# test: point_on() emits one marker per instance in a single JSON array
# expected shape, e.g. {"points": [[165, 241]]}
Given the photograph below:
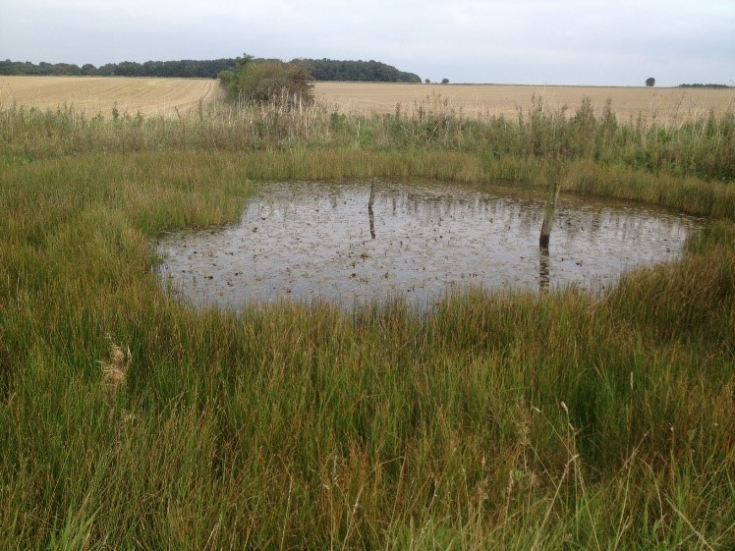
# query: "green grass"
{"points": [[495, 421]]}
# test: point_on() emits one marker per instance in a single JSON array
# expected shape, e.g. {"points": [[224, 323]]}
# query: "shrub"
{"points": [[266, 82]]}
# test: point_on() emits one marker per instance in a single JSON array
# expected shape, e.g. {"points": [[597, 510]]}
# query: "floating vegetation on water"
{"points": [[355, 242]]}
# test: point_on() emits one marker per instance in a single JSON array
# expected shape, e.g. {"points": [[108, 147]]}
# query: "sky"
{"points": [[551, 42]]}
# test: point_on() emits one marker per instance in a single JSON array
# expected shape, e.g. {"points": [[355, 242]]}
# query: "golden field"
{"points": [[157, 96], [93, 95], [666, 105]]}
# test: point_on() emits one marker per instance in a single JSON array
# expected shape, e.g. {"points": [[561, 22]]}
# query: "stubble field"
{"points": [[93, 95], [665, 105], [155, 96]]}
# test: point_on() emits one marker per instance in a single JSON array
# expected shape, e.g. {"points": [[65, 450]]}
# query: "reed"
{"points": [[493, 421], [701, 148]]}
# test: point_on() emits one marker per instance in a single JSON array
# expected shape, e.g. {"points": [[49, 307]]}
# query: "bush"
{"points": [[265, 82]]}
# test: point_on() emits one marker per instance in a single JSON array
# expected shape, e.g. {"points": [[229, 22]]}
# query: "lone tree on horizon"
{"points": [[650, 81]]}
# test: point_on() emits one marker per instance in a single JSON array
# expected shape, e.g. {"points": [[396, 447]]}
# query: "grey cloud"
{"points": [[523, 41]]}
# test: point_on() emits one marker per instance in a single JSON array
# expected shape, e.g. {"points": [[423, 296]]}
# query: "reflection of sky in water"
{"points": [[315, 240]]}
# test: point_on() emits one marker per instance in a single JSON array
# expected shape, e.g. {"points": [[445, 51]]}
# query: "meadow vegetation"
{"points": [[131, 420]]}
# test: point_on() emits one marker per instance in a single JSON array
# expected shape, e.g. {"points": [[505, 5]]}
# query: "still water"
{"points": [[356, 242]]}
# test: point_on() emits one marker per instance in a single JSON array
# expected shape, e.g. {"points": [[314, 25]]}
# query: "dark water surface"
{"points": [[308, 240]]}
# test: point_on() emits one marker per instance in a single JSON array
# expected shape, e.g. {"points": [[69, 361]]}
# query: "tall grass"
{"points": [[701, 148], [495, 421]]}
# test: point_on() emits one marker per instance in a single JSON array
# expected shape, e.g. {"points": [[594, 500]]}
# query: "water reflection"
{"points": [[309, 240], [544, 276]]}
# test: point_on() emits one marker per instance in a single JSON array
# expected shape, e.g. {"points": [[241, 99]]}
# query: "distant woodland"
{"points": [[319, 69], [704, 86]]}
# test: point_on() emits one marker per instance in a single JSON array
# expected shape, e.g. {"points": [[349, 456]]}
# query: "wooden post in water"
{"points": [[555, 175], [371, 216]]}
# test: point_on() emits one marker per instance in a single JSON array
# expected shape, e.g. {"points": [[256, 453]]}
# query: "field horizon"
{"points": [[484, 101], [100, 95], [175, 96]]}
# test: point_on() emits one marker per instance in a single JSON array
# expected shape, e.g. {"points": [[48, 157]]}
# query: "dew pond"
{"points": [[359, 242]]}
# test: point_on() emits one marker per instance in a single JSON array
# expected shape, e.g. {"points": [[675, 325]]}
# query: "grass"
{"points": [[495, 421]]}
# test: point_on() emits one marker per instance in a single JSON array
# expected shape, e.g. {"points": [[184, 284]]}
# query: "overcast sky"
{"points": [[583, 42]]}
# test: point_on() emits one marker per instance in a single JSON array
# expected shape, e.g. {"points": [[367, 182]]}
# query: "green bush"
{"points": [[268, 82]]}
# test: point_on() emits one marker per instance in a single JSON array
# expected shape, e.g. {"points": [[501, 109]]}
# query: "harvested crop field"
{"points": [[158, 96], [93, 95], [665, 105]]}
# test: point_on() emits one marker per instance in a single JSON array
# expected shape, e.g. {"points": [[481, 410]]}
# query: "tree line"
{"points": [[372, 71], [184, 68], [319, 69], [696, 85]]}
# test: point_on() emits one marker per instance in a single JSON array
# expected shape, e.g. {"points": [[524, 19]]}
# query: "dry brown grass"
{"points": [[93, 95], [665, 105], [115, 368]]}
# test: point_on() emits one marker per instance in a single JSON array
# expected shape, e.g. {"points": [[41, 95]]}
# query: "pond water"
{"points": [[357, 242]]}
